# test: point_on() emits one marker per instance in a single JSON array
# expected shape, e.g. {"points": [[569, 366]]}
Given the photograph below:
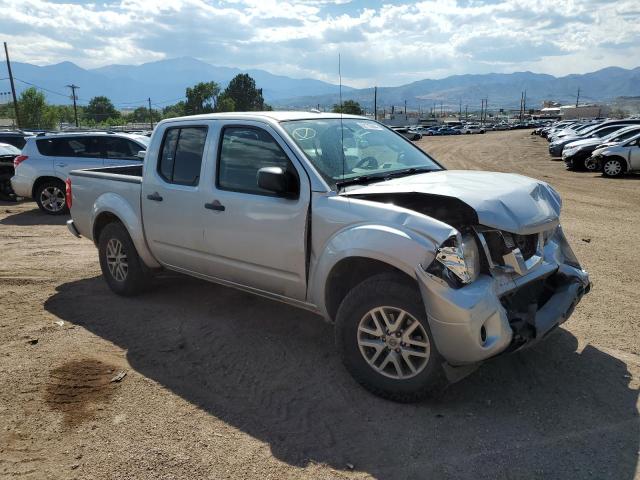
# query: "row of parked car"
{"points": [[36, 164], [416, 132], [609, 146]]}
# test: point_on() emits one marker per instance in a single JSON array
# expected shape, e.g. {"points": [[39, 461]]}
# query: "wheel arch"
{"points": [[620, 158], [110, 208], [351, 271], [41, 180]]}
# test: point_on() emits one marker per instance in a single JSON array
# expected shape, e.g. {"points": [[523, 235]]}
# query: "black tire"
{"points": [[47, 196], [395, 291], [137, 276], [613, 167]]}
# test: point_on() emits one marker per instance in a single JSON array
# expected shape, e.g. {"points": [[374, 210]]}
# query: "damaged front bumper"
{"points": [[503, 309]]}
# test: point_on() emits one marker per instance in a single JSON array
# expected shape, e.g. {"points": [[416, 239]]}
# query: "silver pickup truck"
{"points": [[424, 272]]}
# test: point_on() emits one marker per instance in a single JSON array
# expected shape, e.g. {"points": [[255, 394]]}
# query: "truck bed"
{"points": [[95, 188]]}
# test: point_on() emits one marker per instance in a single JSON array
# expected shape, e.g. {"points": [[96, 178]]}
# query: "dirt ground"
{"points": [[223, 385]]}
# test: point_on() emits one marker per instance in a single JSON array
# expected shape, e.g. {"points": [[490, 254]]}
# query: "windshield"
{"points": [[368, 149], [620, 135]]}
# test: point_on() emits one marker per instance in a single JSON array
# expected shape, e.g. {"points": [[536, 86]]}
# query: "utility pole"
{"points": [[13, 88], [577, 97], [466, 112], [406, 117], [73, 95], [375, 103], [150, 113], [521, 104], [460, 111], [524, 104]]}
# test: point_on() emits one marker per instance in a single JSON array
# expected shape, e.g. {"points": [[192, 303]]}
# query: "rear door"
{"points": [[254, 237], [72, 153], [172, 198]]}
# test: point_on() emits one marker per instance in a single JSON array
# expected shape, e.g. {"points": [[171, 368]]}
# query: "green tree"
{"points": [[100, 109], [225, 103], [176, 110], [246, 97], [201, 98], [34, 111], [350, 107]]}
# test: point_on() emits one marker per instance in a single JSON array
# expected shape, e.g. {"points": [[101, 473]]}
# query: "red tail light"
{"points": [[68, 193], [18, 160]]}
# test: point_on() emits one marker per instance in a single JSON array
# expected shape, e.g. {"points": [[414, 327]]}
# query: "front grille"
{"points": [[501, 243], [528, 244]]}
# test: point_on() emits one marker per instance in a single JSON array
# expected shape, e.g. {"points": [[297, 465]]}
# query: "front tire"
{"points": [[50, 197], [613, 167], [122, 267], [383, 336]]}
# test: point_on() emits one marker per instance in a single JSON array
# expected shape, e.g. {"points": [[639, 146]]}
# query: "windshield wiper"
{"points": [[382, 176]]}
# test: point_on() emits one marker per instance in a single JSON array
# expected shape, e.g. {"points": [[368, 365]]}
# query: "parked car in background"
{"points": [[598, 132], [424, 272], [7, 154], [407, 133], [473, 128], [576, 154], [15, 138], [616, 160], [448, 131], [45, 162]]}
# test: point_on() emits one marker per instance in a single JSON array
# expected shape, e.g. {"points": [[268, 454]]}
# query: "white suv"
{"points": [[45, 163]]}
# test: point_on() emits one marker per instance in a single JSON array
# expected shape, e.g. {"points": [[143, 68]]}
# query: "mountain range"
{"points": [[165, 81]]}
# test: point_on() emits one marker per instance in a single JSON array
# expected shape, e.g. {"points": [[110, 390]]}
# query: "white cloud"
{"points": [[385, 44]]}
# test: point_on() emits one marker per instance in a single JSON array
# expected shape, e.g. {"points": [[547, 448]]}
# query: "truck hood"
{"points": [[505, 201]]}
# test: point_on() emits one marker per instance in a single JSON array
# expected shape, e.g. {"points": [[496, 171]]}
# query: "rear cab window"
{"points": [[181, 154]]}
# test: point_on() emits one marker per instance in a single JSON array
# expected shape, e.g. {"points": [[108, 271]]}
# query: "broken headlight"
{"points": [[457, 260]]}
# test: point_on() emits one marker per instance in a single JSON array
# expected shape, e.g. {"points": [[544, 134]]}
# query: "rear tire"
{"points": [[122, 267], [395, 358], [613, 167], [50, 197]]}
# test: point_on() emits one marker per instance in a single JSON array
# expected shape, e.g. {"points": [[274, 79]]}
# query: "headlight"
{"points": [[460, 256]]}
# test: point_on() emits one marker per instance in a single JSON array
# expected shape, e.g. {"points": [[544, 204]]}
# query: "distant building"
{"points": [[550, 104], [569, 112]]}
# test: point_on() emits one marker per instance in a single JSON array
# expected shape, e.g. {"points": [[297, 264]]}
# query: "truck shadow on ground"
{"points": [[271, 371], [29, 217]]}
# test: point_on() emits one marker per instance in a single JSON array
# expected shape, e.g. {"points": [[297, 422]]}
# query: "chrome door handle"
{"points": [[155, 196], [215, 205], [62, 164]]}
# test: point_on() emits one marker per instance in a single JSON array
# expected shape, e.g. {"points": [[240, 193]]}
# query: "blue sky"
{"points": [[381, 42]]}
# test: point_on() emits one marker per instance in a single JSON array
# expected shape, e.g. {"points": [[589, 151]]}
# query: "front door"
{"points": [[253, 237]]}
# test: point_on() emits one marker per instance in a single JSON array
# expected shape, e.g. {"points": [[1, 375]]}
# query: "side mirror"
{"points": [[276, 180], [141, 154]]}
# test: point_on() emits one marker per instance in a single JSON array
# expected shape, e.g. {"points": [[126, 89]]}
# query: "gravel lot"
{"points": [[221, 384]]}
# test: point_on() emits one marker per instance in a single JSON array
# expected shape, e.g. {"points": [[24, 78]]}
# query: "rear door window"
{"points": [[86, 147], [181, 155]]}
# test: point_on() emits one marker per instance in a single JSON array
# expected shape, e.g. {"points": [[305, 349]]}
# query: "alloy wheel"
{"points": [[393, 342], [52, 199], [117, 260]]}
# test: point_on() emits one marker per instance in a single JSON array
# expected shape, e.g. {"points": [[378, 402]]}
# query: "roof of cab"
{"points": [[278, 116]]}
